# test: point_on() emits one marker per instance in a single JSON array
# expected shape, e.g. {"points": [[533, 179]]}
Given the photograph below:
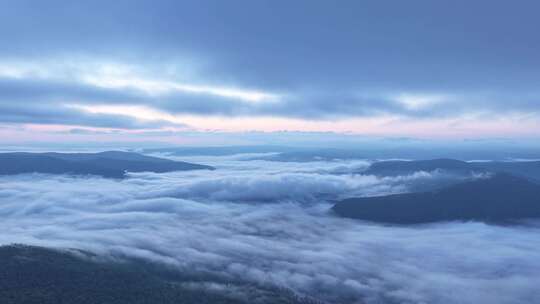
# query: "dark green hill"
{"points": [[528, 169], [399, 167], [35, 275], [112, 164], [500, 198]]}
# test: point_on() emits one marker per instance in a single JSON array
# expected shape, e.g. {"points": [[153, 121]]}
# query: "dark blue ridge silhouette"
{"points": [[37, 275], [110, 164], [528, 169], [501, 198]]}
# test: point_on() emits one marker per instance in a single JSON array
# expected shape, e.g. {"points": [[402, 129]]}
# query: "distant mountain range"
{"points": [[110, 164], [381, 152], [388, 149], [500, 198], [527, 169], [219, 150]]}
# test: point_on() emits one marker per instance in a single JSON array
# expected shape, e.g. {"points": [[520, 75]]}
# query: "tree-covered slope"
{"points": [[528, 169], [500, 198], [111, 164], [36, 275]]}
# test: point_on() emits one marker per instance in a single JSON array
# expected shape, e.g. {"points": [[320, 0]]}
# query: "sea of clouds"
{"points": [[270, 223]]}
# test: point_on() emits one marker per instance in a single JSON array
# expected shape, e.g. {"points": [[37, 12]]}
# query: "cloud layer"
{"points": [[304, 61], [269, 223]]}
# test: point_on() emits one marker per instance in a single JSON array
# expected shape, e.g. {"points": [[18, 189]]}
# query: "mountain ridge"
{"points": [[526, 169], [502, 197], [109, 164]]}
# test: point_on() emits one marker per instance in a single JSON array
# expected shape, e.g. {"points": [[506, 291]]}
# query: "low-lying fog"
{"points": [[270, 223]]}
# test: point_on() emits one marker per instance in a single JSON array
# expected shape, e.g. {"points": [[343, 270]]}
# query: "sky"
{"points": [[261, 72]]}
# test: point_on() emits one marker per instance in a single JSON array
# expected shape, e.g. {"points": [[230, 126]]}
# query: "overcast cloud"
{"points": [[305, 60]]}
